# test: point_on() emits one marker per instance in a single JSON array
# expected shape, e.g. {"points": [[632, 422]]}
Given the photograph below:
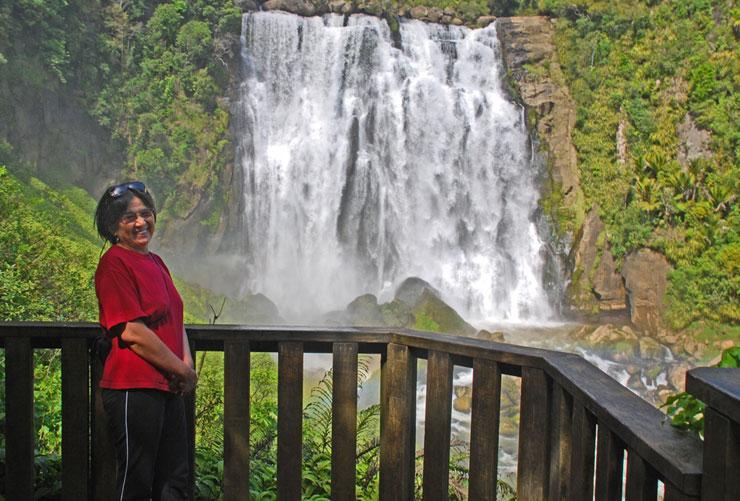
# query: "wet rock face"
{"points": [[596, 284], [528, 42], [646, 279]]}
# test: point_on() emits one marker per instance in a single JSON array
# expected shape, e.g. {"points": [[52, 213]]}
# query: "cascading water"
{"points": [[365, 163]]}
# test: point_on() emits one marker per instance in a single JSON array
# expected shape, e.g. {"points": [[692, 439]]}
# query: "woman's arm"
{"points": [[187, 357], [145, 343]]}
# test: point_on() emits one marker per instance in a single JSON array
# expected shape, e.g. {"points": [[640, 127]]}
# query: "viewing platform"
{"points": [[582, 434]]}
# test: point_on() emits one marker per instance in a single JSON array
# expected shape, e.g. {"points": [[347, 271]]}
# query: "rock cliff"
{"points": [[529, 53], [51, 131]]}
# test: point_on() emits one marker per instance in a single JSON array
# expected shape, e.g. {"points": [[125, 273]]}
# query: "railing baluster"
{"points": [[642, 482], [561, 440], [397, 433], [19, 431], [75, 419], [103, 456], [484, 430], [290, 420], [236, 420], [438, 417], [344, 421], [534, 436], [582, 462], [609, 466]]}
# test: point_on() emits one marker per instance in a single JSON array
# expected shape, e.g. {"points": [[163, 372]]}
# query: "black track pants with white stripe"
{"points": [[150, 436]]}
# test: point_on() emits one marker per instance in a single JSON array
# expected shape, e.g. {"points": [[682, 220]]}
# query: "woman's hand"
{"points": [[145, 343], [185, 383]]}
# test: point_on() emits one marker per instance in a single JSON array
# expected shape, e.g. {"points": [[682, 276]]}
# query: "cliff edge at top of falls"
{"points": [[464, 14]]}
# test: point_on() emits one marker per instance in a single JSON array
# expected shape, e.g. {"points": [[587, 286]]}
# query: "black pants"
{"points": [[150, 436]]}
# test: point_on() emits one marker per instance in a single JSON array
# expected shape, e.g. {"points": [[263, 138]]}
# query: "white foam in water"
{"points": [[364, 164]]}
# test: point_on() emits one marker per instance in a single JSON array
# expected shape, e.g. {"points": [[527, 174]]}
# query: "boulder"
{"points": [[484, 21], [337, 6], [623, 351], [497, 336], [419, 12], [677, 376], [396, 314], [365, 311], [434, 15], [412, 289], [246, 5], [650, 348], [252, 309], [301, 7], [431, 313], [645, 275], [463, 401]]}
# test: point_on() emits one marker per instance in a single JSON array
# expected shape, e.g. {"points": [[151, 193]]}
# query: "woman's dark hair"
{"points": [[111, 209]]}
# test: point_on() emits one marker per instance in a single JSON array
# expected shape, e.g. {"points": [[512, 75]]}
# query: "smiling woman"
{"points": [[149, 366]]}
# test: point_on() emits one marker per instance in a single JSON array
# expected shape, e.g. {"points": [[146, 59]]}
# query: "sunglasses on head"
{"points": [[119, 189]]}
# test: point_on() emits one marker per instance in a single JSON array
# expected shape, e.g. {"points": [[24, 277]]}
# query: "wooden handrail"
{"points": [[576, 422]]}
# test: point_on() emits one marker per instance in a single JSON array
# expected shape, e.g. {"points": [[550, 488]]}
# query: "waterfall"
{"points": [[369, 158]]}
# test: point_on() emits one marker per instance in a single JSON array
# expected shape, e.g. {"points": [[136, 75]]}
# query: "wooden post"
{"points": [[721, 462], [719, 389], [561, 440], [642, 481], [189, 401], [609, 466], [236, 420], [19, 432], [582, 463], [290, 420], [75, 419], [103, 455], [397, 427], [344, 422], [484, 430], [438, 417], [534, 436]]}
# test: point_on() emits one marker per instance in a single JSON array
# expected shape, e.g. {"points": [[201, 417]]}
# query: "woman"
{"points": [[149, 366]]}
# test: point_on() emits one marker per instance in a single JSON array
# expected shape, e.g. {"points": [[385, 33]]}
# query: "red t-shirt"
{"points": [[132, 286]]}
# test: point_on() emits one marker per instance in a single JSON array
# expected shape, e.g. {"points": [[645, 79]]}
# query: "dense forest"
{"points": [[156, 78]]}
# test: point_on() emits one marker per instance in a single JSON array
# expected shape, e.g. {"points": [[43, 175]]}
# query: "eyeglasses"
{"points": [[119, 189], [130, 217]]}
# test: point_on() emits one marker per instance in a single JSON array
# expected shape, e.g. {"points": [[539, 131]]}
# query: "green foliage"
{"points": [[47, 257], [166, 73], [645, 66], [686, 411]]}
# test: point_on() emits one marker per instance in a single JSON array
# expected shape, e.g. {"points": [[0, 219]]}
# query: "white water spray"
{"points": [[365, 164]]}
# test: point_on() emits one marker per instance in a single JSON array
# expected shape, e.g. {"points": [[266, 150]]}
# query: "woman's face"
{"points": [[136, 226]]}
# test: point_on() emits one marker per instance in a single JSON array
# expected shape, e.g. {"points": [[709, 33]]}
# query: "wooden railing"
{"points": [[577, 423]]}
